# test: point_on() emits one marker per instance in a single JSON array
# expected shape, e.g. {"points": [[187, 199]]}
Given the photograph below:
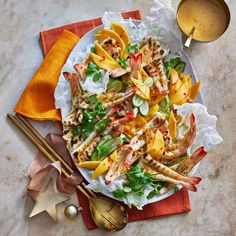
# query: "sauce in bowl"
{"points": [[208, 17]]}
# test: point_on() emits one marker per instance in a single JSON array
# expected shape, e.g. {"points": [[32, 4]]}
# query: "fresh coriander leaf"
{"points": [[176, 189], [92, 65], [89, 72], [127, 189], [132, 47], [153, 193], [87, 128], [92, 50], [94, 71], [97, 76], [119, 193], [93, 99], [75, 131], [122, 62]]}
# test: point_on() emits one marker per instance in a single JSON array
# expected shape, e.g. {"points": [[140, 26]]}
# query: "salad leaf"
{"points": [[175, 63], [132, 47], [94, 71], [137, 182], [122, 62]]}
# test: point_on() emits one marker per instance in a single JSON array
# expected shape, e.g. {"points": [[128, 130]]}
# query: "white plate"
{"points": [[87, 39]]}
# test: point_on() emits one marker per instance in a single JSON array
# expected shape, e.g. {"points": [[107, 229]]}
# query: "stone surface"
{"points": [[213, 206]]}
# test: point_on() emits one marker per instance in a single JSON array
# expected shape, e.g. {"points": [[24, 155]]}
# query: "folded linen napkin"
{"points": [[177, 203]]}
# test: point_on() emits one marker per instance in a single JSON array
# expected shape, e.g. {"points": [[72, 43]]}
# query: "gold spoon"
{"points": [[107, 214], [189, 39]]}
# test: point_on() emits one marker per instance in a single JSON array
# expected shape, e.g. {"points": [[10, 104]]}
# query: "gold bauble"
{"points": [[71, 212]]}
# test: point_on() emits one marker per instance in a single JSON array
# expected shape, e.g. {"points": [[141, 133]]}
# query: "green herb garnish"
{"points": [[91, 117], [175, 63], [92, 50], [132, 47], [94, 71], [75, 131], [122, 62], [87, 128], [93, 99], [176, 189], [137, 181]]}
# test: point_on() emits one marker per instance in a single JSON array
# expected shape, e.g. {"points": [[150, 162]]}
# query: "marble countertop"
{"points": [[213, 206]]}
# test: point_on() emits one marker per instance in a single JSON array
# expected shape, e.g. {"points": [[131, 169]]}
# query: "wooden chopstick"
{"points": [[42, 148], [32, 139], [44, 142]]}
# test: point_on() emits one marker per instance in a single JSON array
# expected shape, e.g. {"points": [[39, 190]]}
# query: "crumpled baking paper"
{"points": [[207, 134]]}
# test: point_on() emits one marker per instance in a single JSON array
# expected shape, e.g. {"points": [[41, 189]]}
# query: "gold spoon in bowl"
{"points": [[107, 214]]}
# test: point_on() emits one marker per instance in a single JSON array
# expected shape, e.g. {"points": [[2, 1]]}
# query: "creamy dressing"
{"points": [[207, 16]]}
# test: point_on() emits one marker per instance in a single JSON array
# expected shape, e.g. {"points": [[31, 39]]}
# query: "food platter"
{"points": [[63, 97]]}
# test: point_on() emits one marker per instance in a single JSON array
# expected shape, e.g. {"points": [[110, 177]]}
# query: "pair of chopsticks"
{"points": [[44, 146]]}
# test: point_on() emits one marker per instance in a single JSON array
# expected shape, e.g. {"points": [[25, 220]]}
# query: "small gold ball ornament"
{"points": [[71, 211]]}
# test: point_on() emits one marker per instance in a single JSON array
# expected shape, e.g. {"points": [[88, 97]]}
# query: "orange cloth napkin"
{"points": [[37, 101], [177, 203]]}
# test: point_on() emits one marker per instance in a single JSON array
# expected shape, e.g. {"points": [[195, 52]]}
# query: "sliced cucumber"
{"points": [[137, 101], [148, 82], [144, 108]]}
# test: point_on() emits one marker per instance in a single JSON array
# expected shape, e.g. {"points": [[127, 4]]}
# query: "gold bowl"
{"points": [[203, 20]]}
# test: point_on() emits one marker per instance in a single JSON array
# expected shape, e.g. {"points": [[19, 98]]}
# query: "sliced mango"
{"points": [[133, 126], [152, 111], [89, 164], [175, 81], [114, 35], [172, 126], [114, 156], [121, 31], [100, 51], [142, 90], [102, 167], [195, 89], [173, 76], [155, 99], [155, 148], [143, 74], [103, 63], [177, 96], [101, 37], [188, 78]]}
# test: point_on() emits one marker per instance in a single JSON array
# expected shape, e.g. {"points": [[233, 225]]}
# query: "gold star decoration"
{"points": [[47, 201]]}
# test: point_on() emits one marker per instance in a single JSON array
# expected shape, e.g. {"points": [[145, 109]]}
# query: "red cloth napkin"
{"points": [[177, 203]]}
